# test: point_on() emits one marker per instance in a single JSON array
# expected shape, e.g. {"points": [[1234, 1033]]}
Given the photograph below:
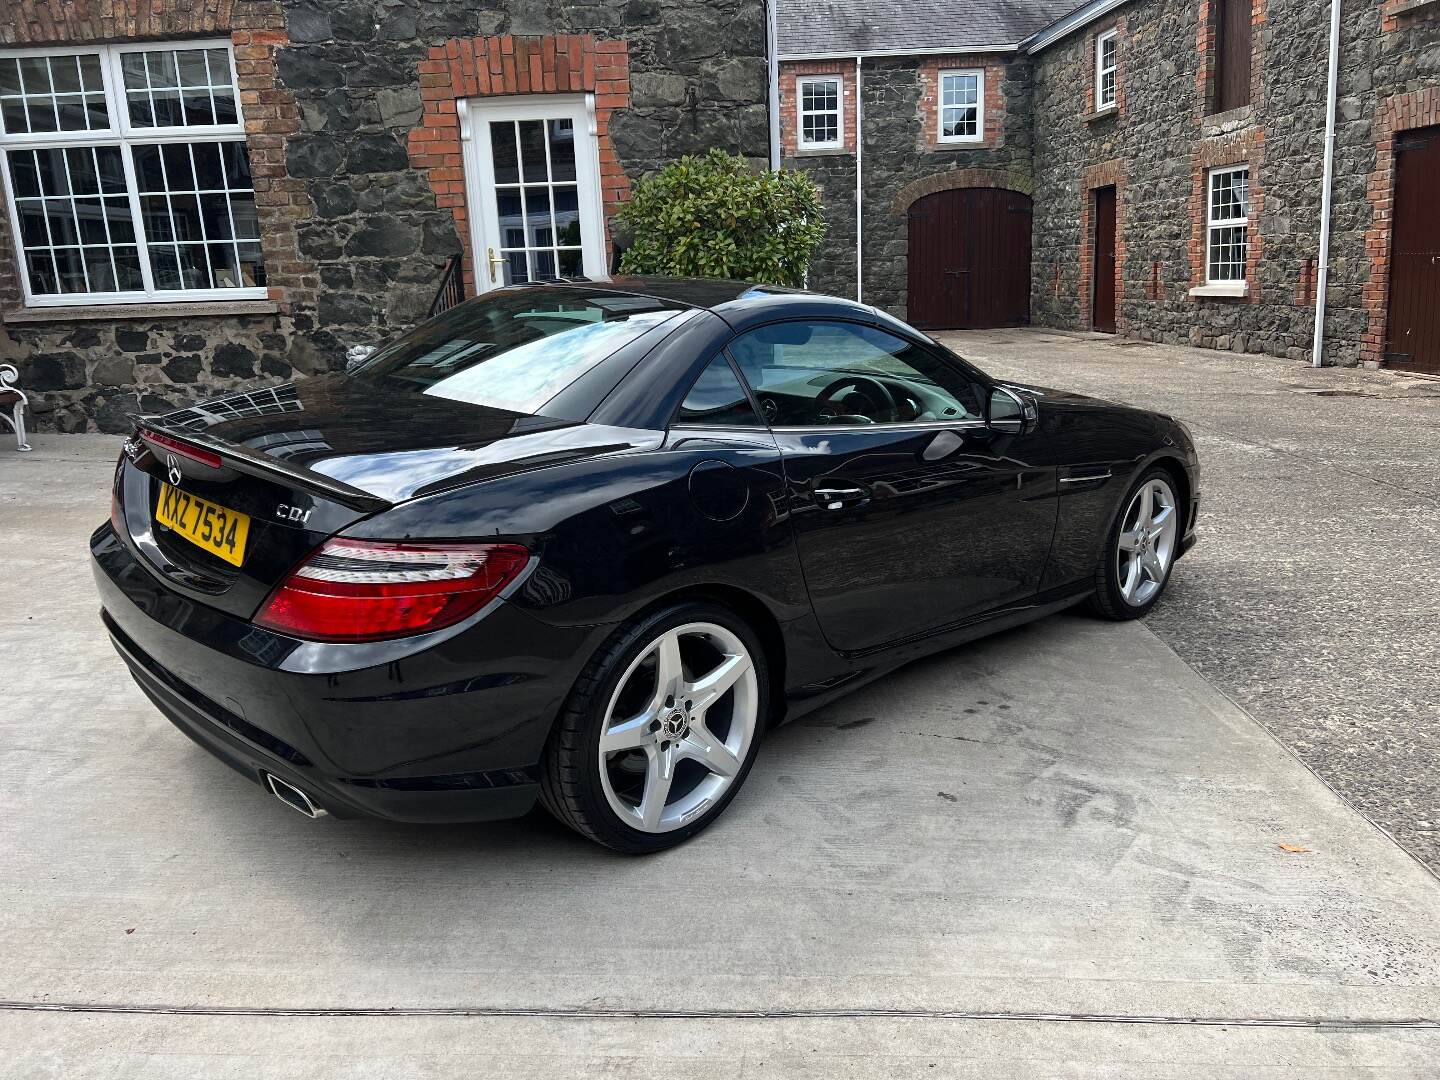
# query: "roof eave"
{"points": [[1064, 27], [850, 54]]}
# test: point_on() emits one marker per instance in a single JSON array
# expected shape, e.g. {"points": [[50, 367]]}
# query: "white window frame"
{"points": [[1212, 224], [979, 76], [125, 136], [802, 81], [1110, 37], [487, 239]]}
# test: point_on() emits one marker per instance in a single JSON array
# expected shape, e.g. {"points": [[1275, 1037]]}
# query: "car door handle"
{"points": [[837, 498]]}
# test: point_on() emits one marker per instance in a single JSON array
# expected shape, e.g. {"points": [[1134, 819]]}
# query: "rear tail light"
{"points": [[367, 590]]}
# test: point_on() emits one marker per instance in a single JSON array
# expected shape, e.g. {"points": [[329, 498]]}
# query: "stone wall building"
{"points": [[1171, 153], [201, 193], [196, 194]]}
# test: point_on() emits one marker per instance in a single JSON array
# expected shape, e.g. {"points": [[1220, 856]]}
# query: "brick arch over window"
{"points": [[508, 65], [958, 179]]}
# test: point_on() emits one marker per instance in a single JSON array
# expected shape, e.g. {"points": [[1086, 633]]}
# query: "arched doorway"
{"points": [[970, 259]]}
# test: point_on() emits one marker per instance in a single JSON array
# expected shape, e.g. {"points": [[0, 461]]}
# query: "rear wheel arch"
{"points": [[575, 783], [756, 615], [748, 607]]}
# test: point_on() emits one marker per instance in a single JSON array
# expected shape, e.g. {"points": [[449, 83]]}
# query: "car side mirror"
{"points": [[1013, 411]]}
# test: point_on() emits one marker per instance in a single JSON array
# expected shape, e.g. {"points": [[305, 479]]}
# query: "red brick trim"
{"points": [[1207, 37], [81, 22], [271, 119], [1106, 174], [789, 109], [505, 64], [1396, 14], [1307, 287], [1403, 112], [955, 179], [994, 99], [256, 29], [1246, 148]]}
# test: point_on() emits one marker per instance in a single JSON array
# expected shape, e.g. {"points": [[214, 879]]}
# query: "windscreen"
{"points": [[515, 350]]}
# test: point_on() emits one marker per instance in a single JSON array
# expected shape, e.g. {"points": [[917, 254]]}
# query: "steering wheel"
{"points": [[864, 385]]}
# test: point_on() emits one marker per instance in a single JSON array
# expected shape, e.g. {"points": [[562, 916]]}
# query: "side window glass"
{"points": [[717, 398], [822, 372]]}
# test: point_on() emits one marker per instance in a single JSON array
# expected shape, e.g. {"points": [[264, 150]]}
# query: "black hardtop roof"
{"points": [[735, 301], [691, 292]]}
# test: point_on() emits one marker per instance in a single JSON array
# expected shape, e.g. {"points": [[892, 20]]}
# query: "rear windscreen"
{"points": [[515, 350]]}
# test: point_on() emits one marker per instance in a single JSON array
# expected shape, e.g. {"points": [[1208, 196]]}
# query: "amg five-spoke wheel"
{"points": [[1146, 548], [678, 727], [1142, 549], [661, 730]]}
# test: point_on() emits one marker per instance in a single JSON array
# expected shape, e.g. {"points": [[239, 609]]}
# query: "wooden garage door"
{"points": [[970, 259], [1414, 326]]}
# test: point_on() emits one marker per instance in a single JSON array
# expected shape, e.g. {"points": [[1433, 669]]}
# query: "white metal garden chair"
{"points": [[12, 403]]}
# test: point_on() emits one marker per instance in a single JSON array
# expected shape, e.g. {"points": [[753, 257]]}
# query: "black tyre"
{"points": [[1140, 550], [660, 730]]}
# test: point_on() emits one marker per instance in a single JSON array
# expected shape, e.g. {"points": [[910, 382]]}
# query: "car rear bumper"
{"points": [[448, 734], [252, 752]]}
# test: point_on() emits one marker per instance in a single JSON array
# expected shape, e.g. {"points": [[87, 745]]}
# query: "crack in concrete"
{"points": [[605, 1013]]}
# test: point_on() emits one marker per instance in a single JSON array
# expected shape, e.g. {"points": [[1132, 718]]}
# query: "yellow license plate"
{"points": [[218, 529]]}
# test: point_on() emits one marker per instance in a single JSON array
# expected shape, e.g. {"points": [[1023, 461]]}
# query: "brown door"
{"points": [[970, 260], [1236, 48], [1104, 260], [1413, 338]]}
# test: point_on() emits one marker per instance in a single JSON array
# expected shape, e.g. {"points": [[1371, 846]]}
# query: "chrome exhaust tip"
{"points": [[293, 797]]}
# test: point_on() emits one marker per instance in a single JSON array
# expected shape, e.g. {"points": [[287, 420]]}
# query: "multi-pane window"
{"points": [[821, 112], [962, 94], [52, 93], [179, 87], [537, 197], [1106, 66], [1228, 225], [126, 174]]}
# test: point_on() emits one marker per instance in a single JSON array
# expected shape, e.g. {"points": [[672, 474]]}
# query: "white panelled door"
{"points": [[532, 182]]}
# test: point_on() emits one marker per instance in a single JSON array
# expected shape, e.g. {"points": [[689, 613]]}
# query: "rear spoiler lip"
{"points": [[245, 460]]}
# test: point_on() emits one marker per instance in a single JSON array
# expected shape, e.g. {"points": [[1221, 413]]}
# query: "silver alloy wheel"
{"points": [[1146, 550], [678, 727]]}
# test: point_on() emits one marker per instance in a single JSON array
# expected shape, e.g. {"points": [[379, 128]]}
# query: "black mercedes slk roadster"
{"points": [[585, 542]]}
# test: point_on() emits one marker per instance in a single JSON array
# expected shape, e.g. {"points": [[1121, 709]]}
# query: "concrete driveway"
{"points": [[1314, 599], [1057, 853]]}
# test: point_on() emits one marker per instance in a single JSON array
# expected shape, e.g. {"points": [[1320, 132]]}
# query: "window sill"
{"points": [[132, 312], [1100, 115], [1230, 290], [1411, 7], [823, 151]]}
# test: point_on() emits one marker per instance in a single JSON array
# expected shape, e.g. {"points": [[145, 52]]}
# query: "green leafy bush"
{"points": [[715, 217]]}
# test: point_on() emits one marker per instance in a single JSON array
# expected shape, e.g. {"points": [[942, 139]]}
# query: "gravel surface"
{"points": [[1313, 598]]}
